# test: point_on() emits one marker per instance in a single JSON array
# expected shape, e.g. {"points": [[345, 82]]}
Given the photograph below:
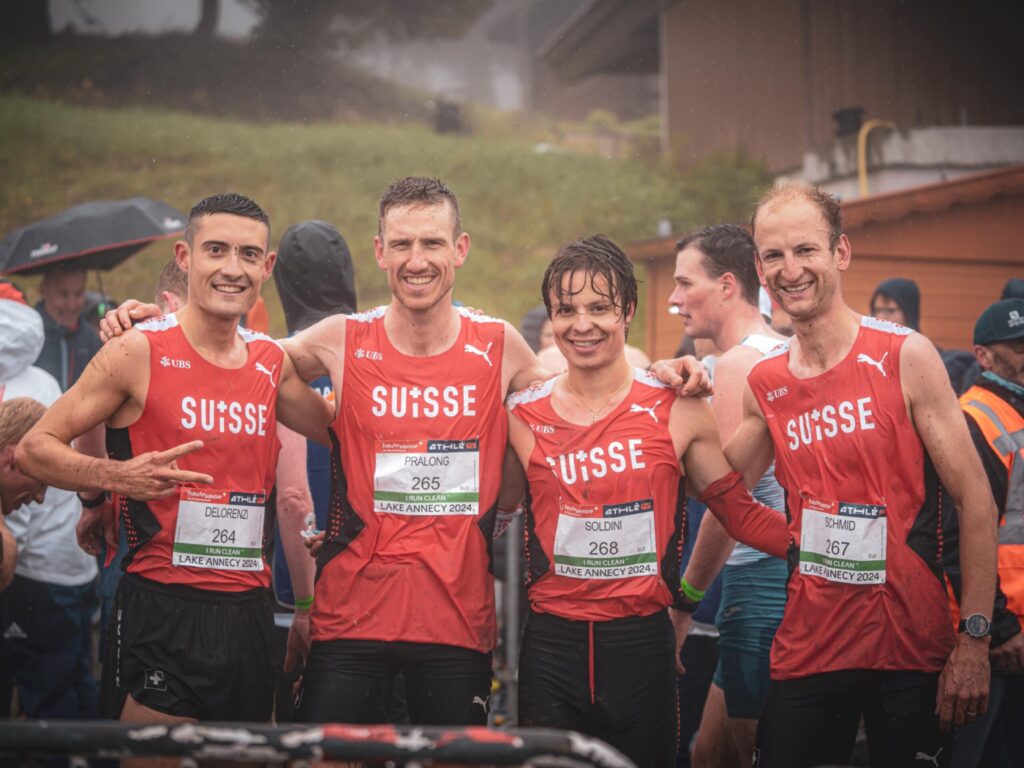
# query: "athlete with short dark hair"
{"points": [[717, 296], [600, 446], [184, 397]]}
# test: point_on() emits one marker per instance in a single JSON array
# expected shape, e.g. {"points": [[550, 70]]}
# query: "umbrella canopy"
{"points": [[96, 235]]}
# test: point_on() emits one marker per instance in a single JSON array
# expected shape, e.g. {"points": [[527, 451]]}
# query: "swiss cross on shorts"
{"points": [[155, 680]]}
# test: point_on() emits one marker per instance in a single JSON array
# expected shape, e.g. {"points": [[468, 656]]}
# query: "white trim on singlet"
{"points": [[161, 323], [885, 325], [779, 351], [369, 315], [648, 378], [528, 395], [249, 336], [762, 343], [477, 318]]}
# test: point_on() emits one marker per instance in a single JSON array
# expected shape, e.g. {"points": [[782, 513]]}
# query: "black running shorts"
{"points": [[190, 652], [615, 680]]}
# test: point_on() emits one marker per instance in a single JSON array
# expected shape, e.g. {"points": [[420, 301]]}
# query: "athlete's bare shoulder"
{"points": [[319, 349], [735, 362], [519, 365]]}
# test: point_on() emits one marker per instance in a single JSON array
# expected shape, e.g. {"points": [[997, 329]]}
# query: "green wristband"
{"points": [[303, 603], [690, 592]]}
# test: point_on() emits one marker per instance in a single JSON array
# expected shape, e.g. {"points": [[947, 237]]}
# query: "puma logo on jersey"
{"points": [[635, 408], [862, 358], [816, 425], [933, 759], [482, 702], [270, 374], [484, 354]]}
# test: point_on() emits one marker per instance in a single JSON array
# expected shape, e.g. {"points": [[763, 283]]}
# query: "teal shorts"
{"points": [[753, 599]]}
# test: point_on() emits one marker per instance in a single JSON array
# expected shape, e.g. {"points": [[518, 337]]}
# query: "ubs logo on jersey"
{"points": [[427, 403], [224, 416], [816, 425], [543, 429], [773, 394], [617, 456], [368, 354], [167, 362]]}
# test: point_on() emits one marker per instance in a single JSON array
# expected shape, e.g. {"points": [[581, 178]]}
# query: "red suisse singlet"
{"points": [[605, 516], [416, 469], [867, 592], [209, 537]]}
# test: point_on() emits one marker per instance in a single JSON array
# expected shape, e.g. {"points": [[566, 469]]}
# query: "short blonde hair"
{"points": [[17, 416], [827, 203]]}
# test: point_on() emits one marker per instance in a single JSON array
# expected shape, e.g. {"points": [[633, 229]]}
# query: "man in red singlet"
{"points": [[405, 578], [190, 401], [601, 446], [418, 440], [862, 423]]}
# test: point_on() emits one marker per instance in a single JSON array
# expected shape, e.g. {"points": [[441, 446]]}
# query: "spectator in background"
{"points": [[315, 278], [1014, 289], [46, 613], [898, 300], [536, 328], [16, 417], [994, 407], [69, 343], [171, 288]]}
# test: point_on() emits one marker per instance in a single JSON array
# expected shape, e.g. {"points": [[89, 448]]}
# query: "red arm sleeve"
{"points": [[746, 519]]}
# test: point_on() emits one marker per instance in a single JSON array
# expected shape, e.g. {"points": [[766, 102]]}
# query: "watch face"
{"points": [[977, 625]]}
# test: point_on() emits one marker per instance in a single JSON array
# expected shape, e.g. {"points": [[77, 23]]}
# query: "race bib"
{"points": [[611, 541], [427, 477], [842, 541], [219, 529]]}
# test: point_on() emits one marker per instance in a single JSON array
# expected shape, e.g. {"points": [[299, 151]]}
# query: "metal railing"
{"points": [[395, 745]]}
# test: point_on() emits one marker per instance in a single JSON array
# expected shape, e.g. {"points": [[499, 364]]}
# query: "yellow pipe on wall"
{"points": [[862, 150]]}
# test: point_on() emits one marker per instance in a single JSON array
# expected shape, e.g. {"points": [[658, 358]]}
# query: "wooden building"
{"points": [[768, 76], [960, 240]]}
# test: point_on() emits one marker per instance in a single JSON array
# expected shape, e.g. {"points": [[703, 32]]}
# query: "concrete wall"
{"points": [[767, 76]]}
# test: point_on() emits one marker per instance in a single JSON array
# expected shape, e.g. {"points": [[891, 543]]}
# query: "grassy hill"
{"points": [[517, 204]]}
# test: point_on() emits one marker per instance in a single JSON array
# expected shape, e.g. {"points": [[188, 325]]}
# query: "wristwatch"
{"points": [[977, 625]]}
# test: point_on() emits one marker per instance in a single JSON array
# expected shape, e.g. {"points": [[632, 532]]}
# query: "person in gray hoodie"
{"points": [[46, 613]]}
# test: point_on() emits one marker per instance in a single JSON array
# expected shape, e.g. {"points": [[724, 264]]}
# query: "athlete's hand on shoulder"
{"points": [[681, 621], [963, 685], [1009, 657], [297, 648], [119, 320], [95, 526], [685, 374], [155, 475]]}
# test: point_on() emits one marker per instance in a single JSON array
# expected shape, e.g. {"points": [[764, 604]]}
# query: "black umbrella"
{"points": [[96, 235]]}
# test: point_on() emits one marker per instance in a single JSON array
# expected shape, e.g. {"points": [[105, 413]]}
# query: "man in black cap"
{"points": [[994, 408]]}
